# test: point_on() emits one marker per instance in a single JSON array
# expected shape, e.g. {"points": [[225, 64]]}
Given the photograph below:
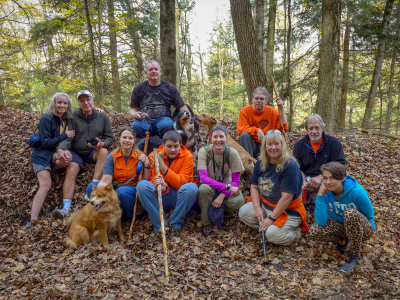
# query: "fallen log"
{"points": [[391, 136]]}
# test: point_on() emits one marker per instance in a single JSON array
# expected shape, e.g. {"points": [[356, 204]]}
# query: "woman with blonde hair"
{"points": [[276, 205], [52, 130]]}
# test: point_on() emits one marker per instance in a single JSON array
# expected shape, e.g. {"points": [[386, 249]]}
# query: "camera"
{"points": [[92, 141]]}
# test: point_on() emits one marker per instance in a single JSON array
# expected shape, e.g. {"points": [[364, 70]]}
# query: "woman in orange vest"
{"points": [[276, 205], [121, 168]]}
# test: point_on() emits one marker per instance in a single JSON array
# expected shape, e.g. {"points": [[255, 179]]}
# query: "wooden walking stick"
{"points": [[146, 142], [161, 210], [279, 111]]}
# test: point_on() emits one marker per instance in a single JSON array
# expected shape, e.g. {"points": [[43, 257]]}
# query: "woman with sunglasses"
{"points": [[276, 205]]}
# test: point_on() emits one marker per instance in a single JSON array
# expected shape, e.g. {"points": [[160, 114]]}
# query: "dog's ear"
{"points": [[213, 120], [109, 186]]}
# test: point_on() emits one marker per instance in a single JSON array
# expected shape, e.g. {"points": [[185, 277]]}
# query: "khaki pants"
{"points": [[285, 235], [208, 194]]}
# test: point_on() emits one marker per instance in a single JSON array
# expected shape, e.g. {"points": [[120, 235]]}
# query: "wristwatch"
{"points": [[271, 218], [228, 186]]}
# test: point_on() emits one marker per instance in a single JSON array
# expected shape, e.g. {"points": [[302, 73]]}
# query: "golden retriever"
{"points": [[102, 215]]}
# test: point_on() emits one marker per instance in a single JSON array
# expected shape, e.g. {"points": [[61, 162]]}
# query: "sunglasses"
{"points": [[273, 131]]}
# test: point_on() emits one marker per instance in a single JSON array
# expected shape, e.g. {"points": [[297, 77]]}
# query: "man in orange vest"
{"points": [[176, 179]]}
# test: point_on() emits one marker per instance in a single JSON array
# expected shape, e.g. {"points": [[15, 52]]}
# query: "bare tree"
{"points": [[246, 41], [269, 56], [260, 26], [380, 53], [168, 40], [289, 34], [116, 85], [345, 74]]}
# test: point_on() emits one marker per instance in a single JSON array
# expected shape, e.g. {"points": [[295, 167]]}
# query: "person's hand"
{"points": [[99, 145], [322, 190], [99, 110], [161, 159], [218, 201], [70, 133], [279, 101], [138, 116], [234, 190], [314, 182], [260, 135], [144, 159], [259, 213], [265, 224], [159, 180], [304, 187], [64, 155]]}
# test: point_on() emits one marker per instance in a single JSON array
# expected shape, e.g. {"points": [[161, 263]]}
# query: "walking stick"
{"points": [[265, 256], [161, 210], [146, 142], [279, 110]]}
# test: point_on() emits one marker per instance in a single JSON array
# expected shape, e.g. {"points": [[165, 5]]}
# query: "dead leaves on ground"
{"points": [[227, 265]]}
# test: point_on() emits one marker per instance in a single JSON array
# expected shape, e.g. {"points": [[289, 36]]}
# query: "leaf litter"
{"points": [[228, 264]]}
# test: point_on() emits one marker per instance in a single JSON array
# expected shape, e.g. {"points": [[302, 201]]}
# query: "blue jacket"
{"points": [[311, 162], [49, 132], [354, 196]]}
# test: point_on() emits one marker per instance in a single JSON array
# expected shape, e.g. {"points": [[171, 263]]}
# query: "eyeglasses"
{"points": [[272, 131], [85, 100]]}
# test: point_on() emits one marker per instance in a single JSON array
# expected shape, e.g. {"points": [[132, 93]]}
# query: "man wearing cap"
{"points": [[154, 97], [93, 135], [314, 150]]}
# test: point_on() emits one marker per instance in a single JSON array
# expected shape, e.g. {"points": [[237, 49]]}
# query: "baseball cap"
{"points": [[84, 92]]}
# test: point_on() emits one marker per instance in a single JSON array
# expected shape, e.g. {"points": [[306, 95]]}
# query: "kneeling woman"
{"points": [[120, 169], [343, 213], [219, 170], [276, 205]]}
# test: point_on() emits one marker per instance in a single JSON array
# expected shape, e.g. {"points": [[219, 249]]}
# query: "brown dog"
{"points": [[248, 161], [102, 215]]}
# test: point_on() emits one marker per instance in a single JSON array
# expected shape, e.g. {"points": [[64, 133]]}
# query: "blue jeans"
{"points": [[156, 127], [126, 194], [181, 201]]}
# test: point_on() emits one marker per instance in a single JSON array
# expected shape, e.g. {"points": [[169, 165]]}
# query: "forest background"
{"points": [[339, 59]]}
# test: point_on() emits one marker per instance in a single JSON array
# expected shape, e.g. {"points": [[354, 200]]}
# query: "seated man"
{"points": [[155, 98], [93, 135], [176, 180], [314, 150], [256, 119]]}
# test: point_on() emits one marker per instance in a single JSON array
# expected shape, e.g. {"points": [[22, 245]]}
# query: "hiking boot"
{"points": [[60, 213], [342, 248], [207, 230], [351, 263]]}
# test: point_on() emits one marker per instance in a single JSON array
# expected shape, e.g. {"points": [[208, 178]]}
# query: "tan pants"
{"points": [[207, 195], [287, 234]]}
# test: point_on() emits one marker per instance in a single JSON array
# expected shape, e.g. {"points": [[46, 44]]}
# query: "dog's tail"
{"points": [[253, 159], [70, 243]]}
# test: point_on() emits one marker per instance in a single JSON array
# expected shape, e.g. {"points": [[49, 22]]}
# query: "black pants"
{"points": [[248, 143]]}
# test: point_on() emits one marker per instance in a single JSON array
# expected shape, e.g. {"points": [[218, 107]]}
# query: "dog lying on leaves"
{"points": [[248, 161], [184, 122], [102, 215]]}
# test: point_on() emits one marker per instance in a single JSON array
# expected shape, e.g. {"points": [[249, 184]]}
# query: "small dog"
{"points": [[185, 122], [102, 215], [248, 161]]}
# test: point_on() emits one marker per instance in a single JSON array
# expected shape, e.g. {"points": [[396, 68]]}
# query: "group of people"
{"points": [[281, 183]]}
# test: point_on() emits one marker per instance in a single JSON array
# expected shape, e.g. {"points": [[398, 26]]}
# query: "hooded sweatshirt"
{"points": [[354, 197]]}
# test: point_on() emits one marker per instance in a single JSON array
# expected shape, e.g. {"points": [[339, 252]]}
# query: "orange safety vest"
{"points": [[123, 172], [296, 205]]}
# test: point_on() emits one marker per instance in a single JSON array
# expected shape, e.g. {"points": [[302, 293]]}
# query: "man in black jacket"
{"points": [[314, 150], [93, 135]]}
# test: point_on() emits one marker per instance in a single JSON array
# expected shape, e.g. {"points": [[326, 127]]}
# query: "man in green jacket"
{"points": [[93, 135]]}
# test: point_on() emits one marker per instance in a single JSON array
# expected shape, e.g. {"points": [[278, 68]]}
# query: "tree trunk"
{"points": [[133, 31], [189, 71], [353, 81], [345, 76], [380, 53], [269, 56], [284, 50], [260, 26], [178, 12], [116, 85], [329, 61], [168, 40], [221, 77], [246, 41], [203, 88], [381, 102], [100, 55], [1, 95], [91, 40], [291, 109], [392, 70]]}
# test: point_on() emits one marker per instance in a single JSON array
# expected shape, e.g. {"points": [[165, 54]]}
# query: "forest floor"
{"points": [[37, 264]]}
